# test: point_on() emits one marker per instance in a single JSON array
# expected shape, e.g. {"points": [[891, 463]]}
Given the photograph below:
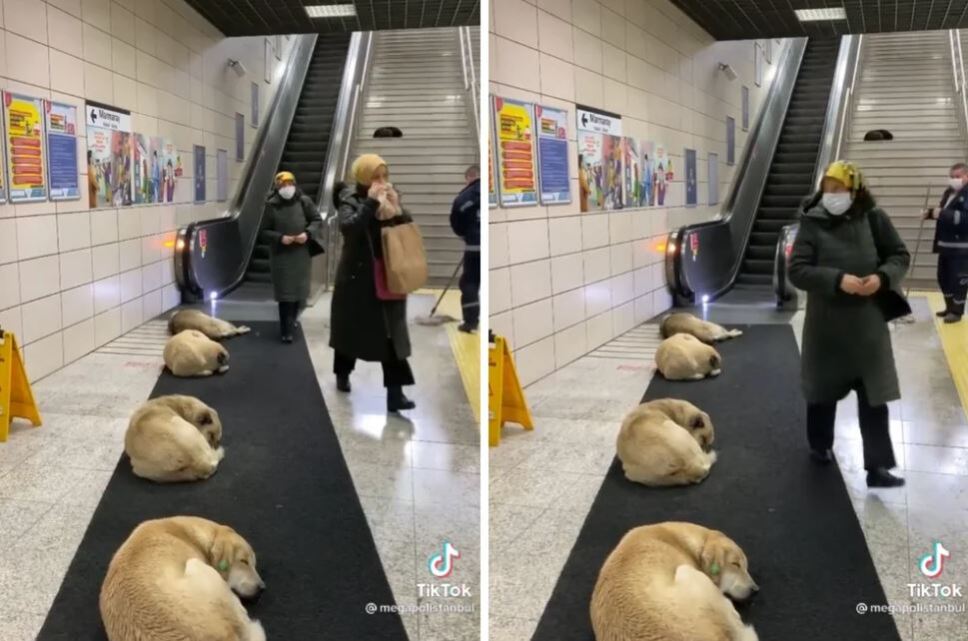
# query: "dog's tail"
{"points": [[255, 632]]}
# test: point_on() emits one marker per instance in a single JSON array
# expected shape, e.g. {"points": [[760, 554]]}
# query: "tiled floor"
{"points": [[542, 483], [418, 479]]}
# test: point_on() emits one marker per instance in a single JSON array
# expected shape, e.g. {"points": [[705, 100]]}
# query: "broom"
{"points": [[432, 319], [914, 261]]}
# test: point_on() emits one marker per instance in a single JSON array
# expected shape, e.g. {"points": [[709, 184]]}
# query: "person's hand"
{"points": [[376, 190], [870, 285], [928, 214], [301, 238], [851, 284], [287, 240]]}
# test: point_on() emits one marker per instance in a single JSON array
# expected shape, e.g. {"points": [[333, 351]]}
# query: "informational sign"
{"points": [[506, 402], [239, 137], [691, 181], [222, 175], [746, 107], [648, 174], [599, 122], [632, 168], [199, 173], [730, 140], [24, 117], [515, 152], [663, 174], [62, 151], [600, 159], [109, 156], [552, 128], [16, 397], [713, 172]]}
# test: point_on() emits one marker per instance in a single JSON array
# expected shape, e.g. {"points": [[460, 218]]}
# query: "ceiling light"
{"points": [[812, 15], [331, 11]]}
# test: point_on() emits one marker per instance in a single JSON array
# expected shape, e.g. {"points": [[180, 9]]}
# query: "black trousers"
{"points": [[288, 313], [874, 429], [953, 281], [470, 285], [396, 371]]}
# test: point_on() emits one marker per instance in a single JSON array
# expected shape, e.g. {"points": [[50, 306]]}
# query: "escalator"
{"points": [[791, 173], [308, 141]]}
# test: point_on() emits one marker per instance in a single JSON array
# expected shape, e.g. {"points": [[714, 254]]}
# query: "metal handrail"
{"points": [[839, 105], [958, 73], [470, 76]]}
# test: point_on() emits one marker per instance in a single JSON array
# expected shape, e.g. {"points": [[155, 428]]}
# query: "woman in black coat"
{"points": [[290, 221], [362, 325]]}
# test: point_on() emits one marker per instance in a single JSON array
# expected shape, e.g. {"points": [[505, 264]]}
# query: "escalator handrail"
{"points": [[839, 103], [777, 102], [782, 287], [271, 136]]}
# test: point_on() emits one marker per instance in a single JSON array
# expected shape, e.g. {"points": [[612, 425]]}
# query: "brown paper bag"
{"points": [[404, 257]]}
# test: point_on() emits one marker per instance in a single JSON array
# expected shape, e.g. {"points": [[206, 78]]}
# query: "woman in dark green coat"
{"points": [[846, 256], [290, 221]]}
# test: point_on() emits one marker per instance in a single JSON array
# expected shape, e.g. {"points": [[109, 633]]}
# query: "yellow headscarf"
{"points": [[365, 166], [847, 173], [285, 175]]}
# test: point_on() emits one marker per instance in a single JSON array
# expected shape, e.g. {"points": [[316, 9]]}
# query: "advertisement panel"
{"points": [[62, 151], [553, 155], [109, 173], [514, 125], [24, 118]]}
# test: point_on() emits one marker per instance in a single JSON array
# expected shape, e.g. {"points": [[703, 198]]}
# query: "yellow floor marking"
{"points": [[954, 342], [466, 349]]}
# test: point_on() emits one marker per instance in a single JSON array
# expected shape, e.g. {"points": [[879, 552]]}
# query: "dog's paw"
{"points": [[243, 329], [712, 457], [255, 632], [220, 453], [716, 372], [697, 377], [223, 369]]}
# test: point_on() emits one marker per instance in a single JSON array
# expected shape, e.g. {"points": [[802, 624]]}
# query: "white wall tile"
{"points": [[130, 285], [75, 268], [41, 318], [598, 298], [498, 245], [39, 277], [594, 230], [499, 296], [554, 34], [74, 231], [570, 344], [132, 314], [569, 309], [130, 255], [97, 13], [105, 260], [597, 264], [77, 304], [530, 282], [10, 319], [65, 32], [97, 46], [8, 240], [44, 356], [528, 240], [107, 326], [501, 324], [9, 285], [27, 60], [27, 18], [532, 322], [36, 236], [129, 224], [107, 294], [565, 235], [536, 360], [78, 340], [600, 330], [516, 20], [104, 226], [567, 272]]}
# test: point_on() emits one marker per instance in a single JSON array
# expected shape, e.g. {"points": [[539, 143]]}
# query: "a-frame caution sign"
{"points": [[16, 397], [506, 402]]}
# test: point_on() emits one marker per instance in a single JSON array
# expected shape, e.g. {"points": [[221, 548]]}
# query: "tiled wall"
{"points": [[562, 282], [71, 278]]}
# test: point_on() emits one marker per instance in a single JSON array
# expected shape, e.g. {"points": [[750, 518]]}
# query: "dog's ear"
{"points": [[205, 418], [697, 422], [220, 556], [713, 556]]}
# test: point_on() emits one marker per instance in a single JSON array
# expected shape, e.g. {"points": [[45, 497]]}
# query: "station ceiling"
{"points": [[753, 19], [278, 17]]}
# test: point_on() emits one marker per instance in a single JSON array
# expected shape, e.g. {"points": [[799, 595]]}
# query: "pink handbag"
{"points": [[380, 278]]}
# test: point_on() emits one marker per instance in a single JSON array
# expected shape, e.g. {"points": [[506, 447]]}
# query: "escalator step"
{"points": [[757, 266], [777, 213], [762, 252], [797, 188], [755, 279]]}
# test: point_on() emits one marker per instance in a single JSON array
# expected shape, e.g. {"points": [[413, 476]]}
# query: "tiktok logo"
{"points": [[441, 565], [932, 564]]}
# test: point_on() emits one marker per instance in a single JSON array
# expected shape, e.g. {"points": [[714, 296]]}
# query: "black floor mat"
{"points": [[283, 485], [794, 520]]}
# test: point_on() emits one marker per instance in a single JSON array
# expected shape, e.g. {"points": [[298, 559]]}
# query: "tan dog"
{"points": [[681, 323], [214, 328], [684, 357], [192, 353], [174, 438], [666, 442], [174, 579], [666, 582]]}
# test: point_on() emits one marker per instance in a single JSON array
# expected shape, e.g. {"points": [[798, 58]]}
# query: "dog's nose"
{"points": [[756, 588]]}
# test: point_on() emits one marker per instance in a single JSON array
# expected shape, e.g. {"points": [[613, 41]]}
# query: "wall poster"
{"points": [[691, 182], [663, 174], [171, 169], [491, 171], [632, 172], [24, 118], [198, 171], [239, 137], [713, 172], [222, 175], [600, 155], [746, 108], [730, 140], [148, 158], [552, 131], [648, 174], [62, 151], [515, 152], [254, 97], [108, 155]]}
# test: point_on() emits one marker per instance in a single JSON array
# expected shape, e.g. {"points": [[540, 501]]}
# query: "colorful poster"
{"points": [[691, 182], [199, 173], [515, 152], [147, 158], [632, 168], [647, 191], [62, 151], [109, 168], [24, 117], [553, 155], [730, 140], [590, 184], [662, 174], [713, 178], [171, 168]]}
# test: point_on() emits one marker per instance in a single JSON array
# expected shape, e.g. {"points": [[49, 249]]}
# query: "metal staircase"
{"points": [[416, 83], [905, 86], [308, 141], [791, 173]]}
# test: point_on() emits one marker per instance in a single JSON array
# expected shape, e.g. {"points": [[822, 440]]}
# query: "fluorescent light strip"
{"points": [[813, 15], [331, 11]]}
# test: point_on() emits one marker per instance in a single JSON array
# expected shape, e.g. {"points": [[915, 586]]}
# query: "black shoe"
{"points": [[823, 457], [343, 383], [287, 338], [951, 317], [883, 478], [467, 328], [397, 401], [942, 313]]}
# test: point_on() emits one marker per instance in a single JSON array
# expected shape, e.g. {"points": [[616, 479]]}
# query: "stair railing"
{"points": [[470, 77], [344, 131], [958, 73]]}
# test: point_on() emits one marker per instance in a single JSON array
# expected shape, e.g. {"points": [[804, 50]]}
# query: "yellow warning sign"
{"points": [[506, 402], [16, 398]]}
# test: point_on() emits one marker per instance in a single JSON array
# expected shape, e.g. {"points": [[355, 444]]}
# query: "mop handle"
{"points": [[917, 244]]}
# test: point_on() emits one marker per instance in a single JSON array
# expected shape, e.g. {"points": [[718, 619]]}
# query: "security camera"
{"points": [[237, 67], [727, 71]]}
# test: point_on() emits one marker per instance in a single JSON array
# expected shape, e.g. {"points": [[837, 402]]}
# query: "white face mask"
{"points": [[956, 183], [837, 203], [287, 192]]}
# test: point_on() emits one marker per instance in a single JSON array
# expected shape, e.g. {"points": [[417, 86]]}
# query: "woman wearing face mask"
{"points": [[364, 324], [289, 222], [846, 252]]}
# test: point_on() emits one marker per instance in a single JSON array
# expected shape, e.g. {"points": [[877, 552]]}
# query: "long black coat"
{"points": [[361, 324], [845, 336], [291, 264]]}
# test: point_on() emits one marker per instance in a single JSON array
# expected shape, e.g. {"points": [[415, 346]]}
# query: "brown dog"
{"points": [[666, 442], [214, 328], [666, 582], [192, 353], [684, 357], [682, 323]]}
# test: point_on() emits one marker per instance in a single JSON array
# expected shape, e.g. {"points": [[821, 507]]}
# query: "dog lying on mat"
{"points": [[214, 328], [684, 357], [177, 578], [174, 438], [666, 442], [666, 582], [682, 323], [192, 353]]}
